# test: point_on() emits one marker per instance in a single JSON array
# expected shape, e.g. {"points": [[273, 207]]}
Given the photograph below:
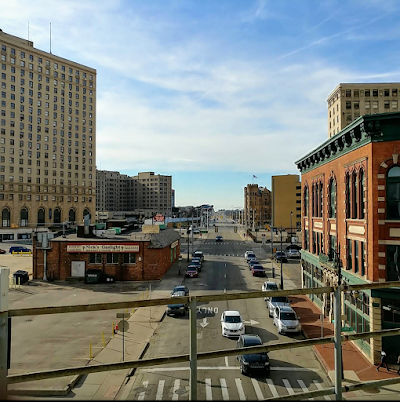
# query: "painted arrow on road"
{"points": [[204, 323], [251, 322]]}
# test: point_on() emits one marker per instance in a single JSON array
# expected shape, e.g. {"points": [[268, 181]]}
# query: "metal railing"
{"points": [[193, 356]]}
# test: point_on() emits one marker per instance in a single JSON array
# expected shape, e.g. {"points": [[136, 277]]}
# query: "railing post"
{"points": [[338, 330], [4, 283], [193, 349]]}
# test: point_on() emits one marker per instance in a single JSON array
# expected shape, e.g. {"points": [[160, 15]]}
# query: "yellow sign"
{"points": [[150, 228], [174, 244], [102, 248]]}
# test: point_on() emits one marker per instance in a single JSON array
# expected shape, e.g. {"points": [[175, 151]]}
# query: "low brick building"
{"points": [[134, 257], [351, 202]]}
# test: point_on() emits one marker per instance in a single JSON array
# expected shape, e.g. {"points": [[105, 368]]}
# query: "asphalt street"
{"points": [[225, 268]]}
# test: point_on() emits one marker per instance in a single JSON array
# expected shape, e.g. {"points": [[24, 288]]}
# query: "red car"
{"points": [[258, 270], [191, 272]]}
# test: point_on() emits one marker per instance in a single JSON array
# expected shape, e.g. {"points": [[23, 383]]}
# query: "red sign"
{"points": [[159, 218]]}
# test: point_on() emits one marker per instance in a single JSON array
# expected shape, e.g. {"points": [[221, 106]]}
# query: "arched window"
{"points": [[306, 201], [393, 193], [41, 217], [85, 212], [23, 217], [321, 198], [347, 196], [354, 195], [5, 218], [71, 215], [361, 194], [314, 199], [57, 215], [332, 193]]}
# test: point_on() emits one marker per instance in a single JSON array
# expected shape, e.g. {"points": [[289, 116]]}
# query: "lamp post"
{"points": [[291, 214], [281, 261]]}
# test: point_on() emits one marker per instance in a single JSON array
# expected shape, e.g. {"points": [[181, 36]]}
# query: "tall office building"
{"points": [[144, 195], [257, 206], [286, 201], [47, 137], [347, 102]]}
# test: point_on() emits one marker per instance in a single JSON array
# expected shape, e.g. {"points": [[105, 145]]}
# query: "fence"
{"points": [[193, 356]]}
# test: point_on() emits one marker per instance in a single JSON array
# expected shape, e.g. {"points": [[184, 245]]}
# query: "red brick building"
{"points": [[351, 201], [135, 257]]}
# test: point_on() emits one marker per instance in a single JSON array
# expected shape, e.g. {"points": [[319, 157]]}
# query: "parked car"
{"points": [[197, 259], [274, 302], [250, 256], [180, 308], [248, 252], [280, 255], [219, 238], [293, 254], [254, 361], [232, 324], [180, 288], [200, 254], [197, 264], [196, 231], [268, 285], [2, 251], [253, 262], [258, 270], [17, 249], [286, 320], [192, 272]]}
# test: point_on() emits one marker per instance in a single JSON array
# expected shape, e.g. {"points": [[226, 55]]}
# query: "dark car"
{"points": [[199, 254], [250, 256], [254, 361], [280, 256], [196, 263], [253, 262], [180, 308], [18, 249], [258, 270], [219, 238], [192, 272], [180, 288], [2, 251]]}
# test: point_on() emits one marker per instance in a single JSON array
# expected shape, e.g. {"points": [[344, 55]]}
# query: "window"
{"points": [[95, 258], [367, 104], [393, 262], [347, 196], [356, 257], [386, 92], [375, 92], [362, 259], [305, 201], [386, 105], [356, 105], [349, 254], [361, 186], [112, 258], [332, 206], [348, 93], [394, 104], [348, 104], [129, 258], [393, 193], [356, 93], [332, 248], [354, 203], [367, 92]]}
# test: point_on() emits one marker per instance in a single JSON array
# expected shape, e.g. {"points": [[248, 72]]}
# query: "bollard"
{"points": [[19, 283], [15, 283], [90, 350], [113, 330], [104, 342]]}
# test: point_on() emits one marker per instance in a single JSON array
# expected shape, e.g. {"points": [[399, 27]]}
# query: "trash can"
{"points": [[93, 276], [23, 276]]}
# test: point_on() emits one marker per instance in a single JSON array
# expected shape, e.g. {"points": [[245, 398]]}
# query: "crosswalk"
{"points": [[209, 389]]}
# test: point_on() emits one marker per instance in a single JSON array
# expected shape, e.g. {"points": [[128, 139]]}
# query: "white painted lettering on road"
{"points": [[272, 388], [177, 384], [204, 323], [257, 388], [208, 389], [288, 386], [224, 389], [143, 393], [160, 390], [239, 387]]}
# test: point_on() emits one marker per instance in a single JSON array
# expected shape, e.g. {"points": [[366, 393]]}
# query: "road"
{"points": [[224, 268]]}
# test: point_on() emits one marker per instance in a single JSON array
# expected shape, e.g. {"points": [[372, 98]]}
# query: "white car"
{"points": [[248, 252], [268, 285], [232, 324], [286, 320]]}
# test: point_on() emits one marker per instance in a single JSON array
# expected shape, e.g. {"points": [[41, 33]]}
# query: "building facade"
{"points": [[47, 137], [145, 195], [286, 201], [347, 102], [257, 206], [351, 204]]}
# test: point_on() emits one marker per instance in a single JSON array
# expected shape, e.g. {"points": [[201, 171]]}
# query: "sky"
{"points": [[213, 92]]}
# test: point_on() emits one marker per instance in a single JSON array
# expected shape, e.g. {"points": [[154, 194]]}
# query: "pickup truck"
{"points": [[274, 302]]}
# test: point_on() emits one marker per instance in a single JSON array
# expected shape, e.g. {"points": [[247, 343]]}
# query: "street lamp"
{"points": [[291, 214], [281, 261]]}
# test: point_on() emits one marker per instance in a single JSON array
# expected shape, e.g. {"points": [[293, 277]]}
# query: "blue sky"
{"points": [[212, 92]]}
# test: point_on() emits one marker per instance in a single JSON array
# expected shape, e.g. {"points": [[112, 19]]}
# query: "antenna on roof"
{"points": [[50, 37]]}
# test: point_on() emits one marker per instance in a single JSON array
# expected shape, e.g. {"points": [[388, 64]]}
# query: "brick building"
{"points": [[135, 257], [257, 205], [351, 202]]}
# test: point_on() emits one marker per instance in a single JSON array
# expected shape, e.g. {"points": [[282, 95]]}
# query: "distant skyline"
{"points": [[213, 93]]}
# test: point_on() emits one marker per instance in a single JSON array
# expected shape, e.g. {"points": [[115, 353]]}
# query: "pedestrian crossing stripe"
{"points": [[209, 388]]}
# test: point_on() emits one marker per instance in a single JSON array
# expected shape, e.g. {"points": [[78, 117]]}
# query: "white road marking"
{"points": [[288, 386], [224, 389], [239, 387], [272, 388], [226, 361], [319, 386], [304, 388], [177, 384], [143, 393], [257, 388], [289, 369], [208, 389], [160, 390]]}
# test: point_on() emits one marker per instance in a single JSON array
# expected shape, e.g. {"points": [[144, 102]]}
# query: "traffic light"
{"points": [[216, 228], [235, 229]]}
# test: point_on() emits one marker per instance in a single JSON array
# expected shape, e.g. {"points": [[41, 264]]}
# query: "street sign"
{"points": [[347, 329], [123, 315], [123, 326]]}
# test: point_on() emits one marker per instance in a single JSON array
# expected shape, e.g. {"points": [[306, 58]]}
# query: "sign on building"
{"points": [[102, 248], [150, 228]]}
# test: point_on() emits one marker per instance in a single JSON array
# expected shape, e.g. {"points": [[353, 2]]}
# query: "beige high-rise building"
{"points": [[286, 201], [257, 206], [47, 137], [347, 102]]}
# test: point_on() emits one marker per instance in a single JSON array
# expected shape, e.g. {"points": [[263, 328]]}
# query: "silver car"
{"points": [[274, 302], [293, 254], [286, 320]]}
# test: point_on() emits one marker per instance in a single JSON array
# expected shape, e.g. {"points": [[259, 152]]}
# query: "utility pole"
{"points": [[281, 261], [193, 350], [291, 214], [192, 234]]}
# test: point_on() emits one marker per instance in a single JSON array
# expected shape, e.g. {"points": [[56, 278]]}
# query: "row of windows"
{"points": [[28, 197], [112, 258], [368, 92], [46, 137]]}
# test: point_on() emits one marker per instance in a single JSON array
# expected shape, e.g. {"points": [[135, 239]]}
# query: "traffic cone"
{"points": [[116, 328]]}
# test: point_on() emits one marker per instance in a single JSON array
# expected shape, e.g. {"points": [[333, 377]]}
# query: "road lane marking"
{"points": [[289, 369], [239, 387], [143, 393], [224, 389], [160, 390], [257, 388], [288, 386], [226, 361], [177, 384], [319, 386], [304, 388], [272, 388], [208, 389]]}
